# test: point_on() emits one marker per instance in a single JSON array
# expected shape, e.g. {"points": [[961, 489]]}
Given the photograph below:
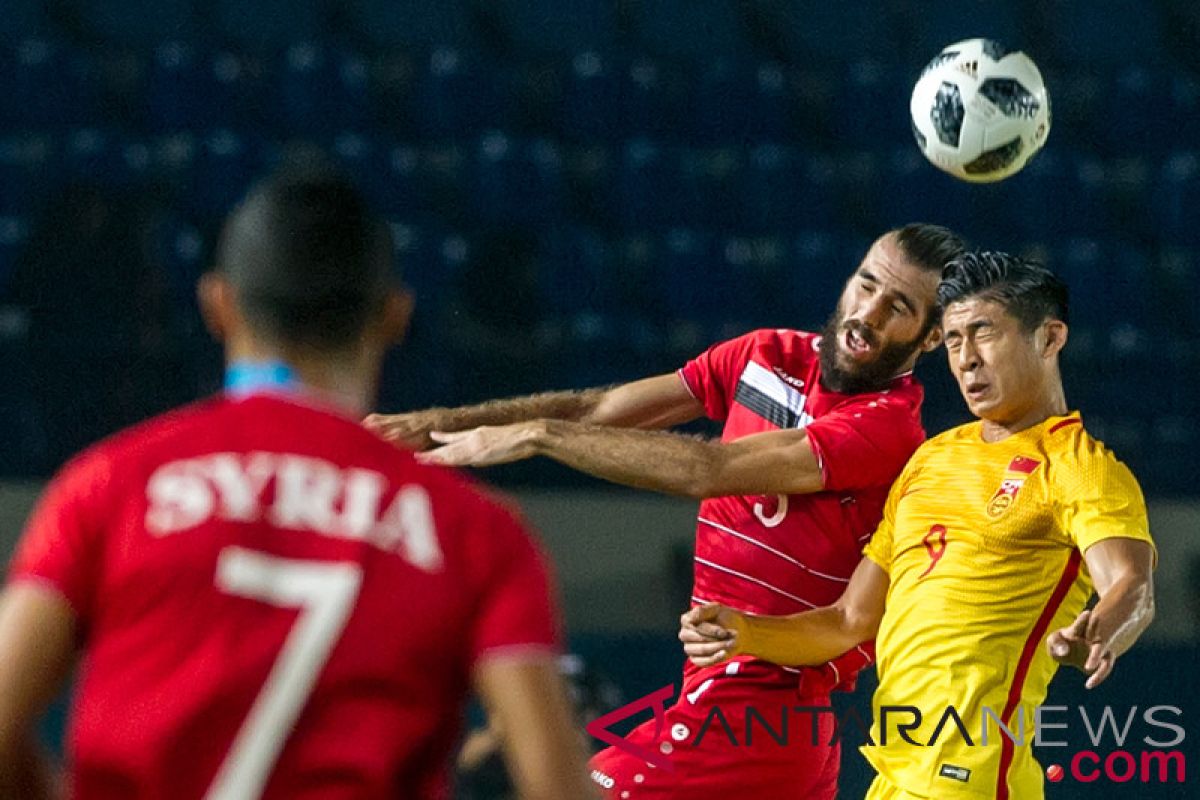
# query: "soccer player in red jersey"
{"points": [[816, 428], [267, 601]]}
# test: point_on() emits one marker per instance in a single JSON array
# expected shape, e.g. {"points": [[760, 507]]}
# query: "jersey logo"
{"points": [[1018, 470], [788, 379], [954, 773], [768, 395]]}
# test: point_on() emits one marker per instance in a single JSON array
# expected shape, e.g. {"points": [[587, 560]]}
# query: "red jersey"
{"points": [[787, 553], [274, 602]]}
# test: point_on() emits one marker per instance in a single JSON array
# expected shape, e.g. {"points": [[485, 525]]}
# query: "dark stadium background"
{"points": [[589, 191]]}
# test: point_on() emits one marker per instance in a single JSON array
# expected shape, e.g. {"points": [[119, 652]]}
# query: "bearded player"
{"points": [[816, 429], [246, 579], [993, 537]]}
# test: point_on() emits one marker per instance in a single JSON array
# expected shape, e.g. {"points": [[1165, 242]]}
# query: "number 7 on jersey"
{"points": [[325, 594]]}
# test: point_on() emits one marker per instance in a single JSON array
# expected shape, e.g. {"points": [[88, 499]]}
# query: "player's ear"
{"points": [[1055, 337], [395, 316], [217, 306], [933, 339]]}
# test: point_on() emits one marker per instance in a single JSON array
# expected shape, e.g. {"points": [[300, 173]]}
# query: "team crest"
{"points": [[1018, 470]]}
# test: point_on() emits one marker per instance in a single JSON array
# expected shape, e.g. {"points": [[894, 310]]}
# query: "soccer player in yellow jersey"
{"points": [[992, 541]]}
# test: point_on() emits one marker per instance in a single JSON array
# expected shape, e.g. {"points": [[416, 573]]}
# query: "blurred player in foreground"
{"points": [[992, 537], [817, 426], [267, 601]]}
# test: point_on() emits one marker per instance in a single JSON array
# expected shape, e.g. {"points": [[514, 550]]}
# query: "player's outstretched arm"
{"points": [[773, 462], [527, 703], [657, 402], [37, 648], [712, 633], [1122, 570]]}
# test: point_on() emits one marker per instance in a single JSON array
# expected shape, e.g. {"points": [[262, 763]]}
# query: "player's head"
{"points": [[887, 314], [1004, 320], [304, 268]]}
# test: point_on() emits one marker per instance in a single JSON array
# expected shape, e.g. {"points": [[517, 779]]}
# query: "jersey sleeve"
{"points": [[712, 376], [517, 607], [879, 548], [1099, 498], [864, 443], [61, 545]]}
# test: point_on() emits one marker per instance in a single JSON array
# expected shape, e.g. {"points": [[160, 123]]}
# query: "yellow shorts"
{"points": [[882, 789]]}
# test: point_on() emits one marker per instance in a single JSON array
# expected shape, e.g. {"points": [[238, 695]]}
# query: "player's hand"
{"points": [[409, 430], [482, 447], [1078, 645], [712, 633]]}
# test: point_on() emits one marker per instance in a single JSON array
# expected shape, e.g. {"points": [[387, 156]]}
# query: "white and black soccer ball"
{"points": [[980, 112]]}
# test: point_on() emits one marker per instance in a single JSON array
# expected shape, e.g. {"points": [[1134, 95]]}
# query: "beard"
{"points": [[859, 378]]}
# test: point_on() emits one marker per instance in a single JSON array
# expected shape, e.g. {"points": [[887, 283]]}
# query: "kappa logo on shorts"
{"points": [[954, 773], [1007, 493]]}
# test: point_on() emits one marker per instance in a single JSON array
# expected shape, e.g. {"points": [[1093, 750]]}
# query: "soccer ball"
{"points": [[980, 112]]}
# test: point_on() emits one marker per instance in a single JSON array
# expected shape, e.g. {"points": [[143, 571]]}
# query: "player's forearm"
{"points": [[681, 465], [570, 405], [653, 460], [806, 639], [1123, 613]]}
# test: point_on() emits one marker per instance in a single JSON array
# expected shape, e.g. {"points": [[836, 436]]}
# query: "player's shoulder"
{"points": [[1075, 453], [966, 434], [786, 340], [141, 442]]}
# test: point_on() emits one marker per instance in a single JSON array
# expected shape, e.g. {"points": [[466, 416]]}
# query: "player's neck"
{"points": [[345, 382], [1052, 403]]}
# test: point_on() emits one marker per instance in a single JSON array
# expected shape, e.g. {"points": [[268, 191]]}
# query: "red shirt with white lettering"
{"points": [[784, 554], [275, 602]]}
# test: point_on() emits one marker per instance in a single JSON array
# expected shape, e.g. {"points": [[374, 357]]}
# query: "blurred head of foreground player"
{"points": [[303, 276], [1005, 322]]}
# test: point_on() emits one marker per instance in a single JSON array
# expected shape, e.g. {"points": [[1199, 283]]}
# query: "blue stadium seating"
{"points": [[224, 165], [809, 34], [27, 172], [1101, 33], [648, 189], [1177, 198], [517, 182], [139, 23], [870, 108], [653, 99], [14, 232], [47, 85], [321, 91], [690, 30], [784, 190], [537, 27], [592, 98], [456, 98], [944, 22], [23, 19], [413, 24], [267, 26]]}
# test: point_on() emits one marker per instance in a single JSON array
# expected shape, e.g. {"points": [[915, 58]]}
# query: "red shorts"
{"points": [[737, 729]]}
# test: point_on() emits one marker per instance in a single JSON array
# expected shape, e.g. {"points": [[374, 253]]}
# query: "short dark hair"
{"points": [[309, 261], [930, 247], [1025, 288]]}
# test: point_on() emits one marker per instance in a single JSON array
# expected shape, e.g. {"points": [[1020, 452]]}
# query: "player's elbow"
{"points": [[857, 625]]}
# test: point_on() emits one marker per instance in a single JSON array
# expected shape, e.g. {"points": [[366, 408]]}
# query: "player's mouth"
{"points": [[859, 347], [976, 390]]}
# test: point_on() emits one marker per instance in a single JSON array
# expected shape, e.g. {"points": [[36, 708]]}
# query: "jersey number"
{"points": [[935, 544], [776, 518], [325, 594]]}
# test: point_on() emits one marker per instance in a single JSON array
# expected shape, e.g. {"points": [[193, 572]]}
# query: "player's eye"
{"points": [[900, 308]]}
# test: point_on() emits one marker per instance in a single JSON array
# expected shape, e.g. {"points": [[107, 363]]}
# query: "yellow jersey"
{"points": [[983, 543]]}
